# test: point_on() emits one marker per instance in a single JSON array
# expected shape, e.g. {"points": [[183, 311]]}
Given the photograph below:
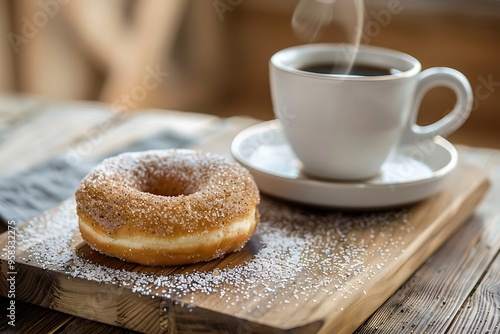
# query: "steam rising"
{"points": [[312, 18]]}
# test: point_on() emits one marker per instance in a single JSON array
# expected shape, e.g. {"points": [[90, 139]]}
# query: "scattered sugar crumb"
{"points": [[305, 256]]}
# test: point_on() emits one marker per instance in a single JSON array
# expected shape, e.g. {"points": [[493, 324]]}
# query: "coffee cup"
{"points": [[345, 109]]}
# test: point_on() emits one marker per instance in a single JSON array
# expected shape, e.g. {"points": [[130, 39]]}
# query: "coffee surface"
{"points": [[355, 70]]}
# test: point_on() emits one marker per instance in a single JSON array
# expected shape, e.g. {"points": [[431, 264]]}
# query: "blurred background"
{"points": [[212, 56]]}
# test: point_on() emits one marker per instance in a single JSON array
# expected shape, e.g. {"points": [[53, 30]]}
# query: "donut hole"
{"points": [[169, 187]]}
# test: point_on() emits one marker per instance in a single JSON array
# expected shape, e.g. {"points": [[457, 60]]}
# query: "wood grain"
{"points": [[52, 131], [429, 301], [14, 112], [481, 312], [342, 310], [83, 131], [34, 319], [48, 322], [437, 298], [428, 244]]}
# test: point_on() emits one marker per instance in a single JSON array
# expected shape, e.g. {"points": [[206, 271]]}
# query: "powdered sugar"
{"points": [[296, 256]]}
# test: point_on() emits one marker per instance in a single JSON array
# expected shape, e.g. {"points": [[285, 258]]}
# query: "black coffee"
{"points": [[358, 70]]}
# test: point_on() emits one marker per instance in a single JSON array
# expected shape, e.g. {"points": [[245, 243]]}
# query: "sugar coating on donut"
{"points": [[166, 194]]}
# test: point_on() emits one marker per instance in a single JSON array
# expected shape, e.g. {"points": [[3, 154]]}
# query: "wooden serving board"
{"points": [[304, 271]]}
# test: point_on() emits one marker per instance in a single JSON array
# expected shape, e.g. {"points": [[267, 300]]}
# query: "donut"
{"points": [[167, 207]]}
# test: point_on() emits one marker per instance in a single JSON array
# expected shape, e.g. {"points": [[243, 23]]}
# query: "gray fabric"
{"points": [[25, 194]]}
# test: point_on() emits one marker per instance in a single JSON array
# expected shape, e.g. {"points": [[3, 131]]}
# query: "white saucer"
{"points": [[410, 175]]}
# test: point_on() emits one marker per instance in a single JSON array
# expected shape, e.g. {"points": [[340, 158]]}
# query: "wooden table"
{"points": [[455, 291]]}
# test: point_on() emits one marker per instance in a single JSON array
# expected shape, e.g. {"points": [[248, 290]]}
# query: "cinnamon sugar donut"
{"points": [[167, 207]]}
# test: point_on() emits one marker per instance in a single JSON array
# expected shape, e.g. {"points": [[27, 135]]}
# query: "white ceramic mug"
{"points": [[344, 126]]}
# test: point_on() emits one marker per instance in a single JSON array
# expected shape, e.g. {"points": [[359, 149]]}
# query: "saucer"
{"points": [[410, 174]]}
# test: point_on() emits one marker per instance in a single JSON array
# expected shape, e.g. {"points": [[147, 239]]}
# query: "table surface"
{"points": [[457, 290]]}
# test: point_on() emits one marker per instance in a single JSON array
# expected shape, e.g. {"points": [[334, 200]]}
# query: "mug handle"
{"points": [[439, 77]]}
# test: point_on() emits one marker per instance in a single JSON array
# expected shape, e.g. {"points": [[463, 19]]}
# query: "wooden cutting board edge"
{"points": [[119, 305], [446, 225]]}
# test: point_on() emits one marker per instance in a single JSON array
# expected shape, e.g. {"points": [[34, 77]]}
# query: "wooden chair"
{"points": [[105, 50]]}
